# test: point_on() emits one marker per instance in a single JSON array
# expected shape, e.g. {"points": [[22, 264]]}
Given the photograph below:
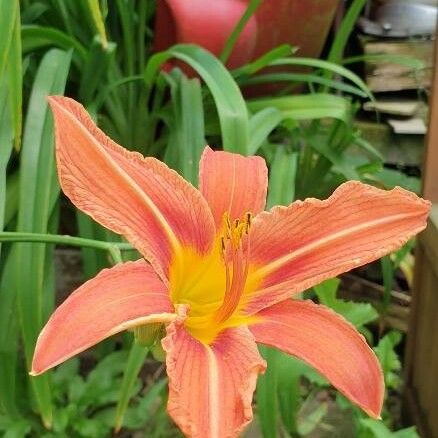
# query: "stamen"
{"points": [[235, 254]]}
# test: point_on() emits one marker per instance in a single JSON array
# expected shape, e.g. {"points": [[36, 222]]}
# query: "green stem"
{"points": [[113, 248]]}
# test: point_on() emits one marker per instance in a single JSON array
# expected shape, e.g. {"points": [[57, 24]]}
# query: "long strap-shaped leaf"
{"points": [[231, 108], [38, 193], [10, 129], [187, 138], [136, 358], [307, 106]]}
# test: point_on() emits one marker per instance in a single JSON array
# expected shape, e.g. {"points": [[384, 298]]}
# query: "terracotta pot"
{"points": [[302, 23]]}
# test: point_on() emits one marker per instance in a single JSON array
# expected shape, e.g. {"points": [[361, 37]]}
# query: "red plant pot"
{"points": [[302, 23]]}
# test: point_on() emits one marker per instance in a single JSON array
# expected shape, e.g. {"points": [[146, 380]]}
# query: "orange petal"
{"points": [[211, 387], [124, 296], [141, 198], [329, 343], [294, 248], [232, 183]]}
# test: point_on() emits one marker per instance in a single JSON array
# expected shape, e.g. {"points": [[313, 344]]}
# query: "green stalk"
{"points": [[113, 248]]}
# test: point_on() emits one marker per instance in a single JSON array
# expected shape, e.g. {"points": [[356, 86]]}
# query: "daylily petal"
{"points": [[141, 198], [119, 298], [211, 387], [232, 183], [294, 248], [329, 343]]}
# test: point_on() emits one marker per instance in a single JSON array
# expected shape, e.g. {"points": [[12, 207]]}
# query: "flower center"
{"points": [[212, 285]]}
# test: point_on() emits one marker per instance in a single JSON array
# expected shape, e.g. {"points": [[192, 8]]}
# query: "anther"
{"points": [[223, 244]]}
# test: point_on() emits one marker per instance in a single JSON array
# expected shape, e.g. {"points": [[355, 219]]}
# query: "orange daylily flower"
{"points": [[220, 272]]}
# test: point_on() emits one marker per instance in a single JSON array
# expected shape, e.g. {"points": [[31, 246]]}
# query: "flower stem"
{"points": [[113, 248]]}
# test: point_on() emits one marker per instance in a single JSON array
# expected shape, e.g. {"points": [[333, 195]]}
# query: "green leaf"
{"points": [[264, 61], [343, 33], [15, 79], [261, 125], [8, 337], [231, 108], [282, 174], [266, 394], [38, 188], [12, 191], [327, 66], [18, 429], [404, 60], [358, 314], [187, 137], [337, 159], [391, 178], [232, 39], [388, 358], [95, 69], [308, 78], [378, 429], [307, 107], [36, 37], [9, 10], [388, 280], [6, 142], [136, 358], [93, 6], [368, 147], [289, 373]]}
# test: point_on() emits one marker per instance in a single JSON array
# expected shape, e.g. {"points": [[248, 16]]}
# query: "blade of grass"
{"points": [[37, 173], [231, 108], [232, 39]]}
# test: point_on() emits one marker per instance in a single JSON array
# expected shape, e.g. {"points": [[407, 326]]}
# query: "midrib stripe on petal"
{"points": [[281, 261], [139, 192], [213, 394]]}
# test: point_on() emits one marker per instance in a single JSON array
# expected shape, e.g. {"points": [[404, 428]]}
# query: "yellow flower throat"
{"points": [[214, 285]]}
